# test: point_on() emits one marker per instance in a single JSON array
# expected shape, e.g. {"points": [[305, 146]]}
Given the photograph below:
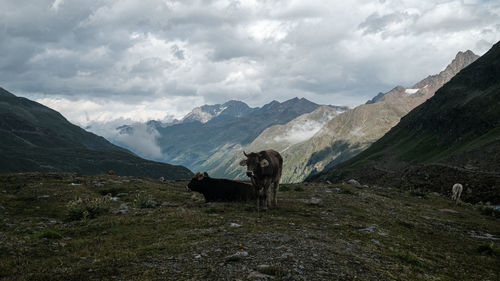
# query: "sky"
{"points": [[122, 61]]}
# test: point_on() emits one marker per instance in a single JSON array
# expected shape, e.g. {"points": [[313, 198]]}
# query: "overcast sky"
{"points": [[103, 60]]}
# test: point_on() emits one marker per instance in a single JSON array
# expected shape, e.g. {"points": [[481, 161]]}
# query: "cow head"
{"points": [[254, 162], [196, 183]]}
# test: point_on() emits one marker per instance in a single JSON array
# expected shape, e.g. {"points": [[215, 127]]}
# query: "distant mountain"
{"points": [[37, 138], [192, 143], [375, 98], [277, 137], [452, 137], [354, 130], [205, 113]]}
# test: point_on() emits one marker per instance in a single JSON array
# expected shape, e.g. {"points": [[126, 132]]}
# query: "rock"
{"points": [[328, 182], [353, 182], [98, 184], [232, 224], [315, 201], [255, 275], [197, 257], [121, 194], [448, 211], [376, 241], [43, 196], [371, 228], [123, 209], [286, 255], [114, 181], [237, 256], [168, 204]]}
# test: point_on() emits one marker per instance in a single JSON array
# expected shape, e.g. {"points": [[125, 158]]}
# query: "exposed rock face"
{"points": [[351, 132], [205, 113]]}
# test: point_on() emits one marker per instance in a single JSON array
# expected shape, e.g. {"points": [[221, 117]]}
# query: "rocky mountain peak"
{"points": [[461, 60], [205, 113]]}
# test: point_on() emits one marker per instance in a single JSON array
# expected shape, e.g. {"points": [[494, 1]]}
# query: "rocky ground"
{"points": [[70, 227]]}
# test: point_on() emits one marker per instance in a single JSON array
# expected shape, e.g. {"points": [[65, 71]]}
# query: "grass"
{"points": [[364, 234]]}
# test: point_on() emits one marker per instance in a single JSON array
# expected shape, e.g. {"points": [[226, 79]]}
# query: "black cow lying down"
{"points": [[222, 189]]}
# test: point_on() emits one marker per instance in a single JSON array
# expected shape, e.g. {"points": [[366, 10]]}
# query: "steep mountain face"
{"points": [[205, 113], [37, 138], [277, 137], [452, 137], [353, 131], [192, 143]]}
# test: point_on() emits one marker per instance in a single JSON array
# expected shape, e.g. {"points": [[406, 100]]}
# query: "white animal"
{"points": [[456, 192], [162, 179]]}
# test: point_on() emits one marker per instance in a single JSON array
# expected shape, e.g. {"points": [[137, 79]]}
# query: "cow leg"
{"points": [[275, 194], [268, 197]]}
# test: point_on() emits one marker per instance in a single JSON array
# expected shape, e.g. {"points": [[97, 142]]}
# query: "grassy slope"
{"points": [[37, 138], [364, 234]]}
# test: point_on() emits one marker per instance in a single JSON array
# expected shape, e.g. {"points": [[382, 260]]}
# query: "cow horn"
{"points": [[245, 153]]}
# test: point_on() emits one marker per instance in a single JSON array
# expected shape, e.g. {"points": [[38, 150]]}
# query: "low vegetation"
{"points": [[70, 227]]}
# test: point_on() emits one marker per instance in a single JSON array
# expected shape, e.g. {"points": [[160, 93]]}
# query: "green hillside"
{"points": [[37, 138], [453, 137]]}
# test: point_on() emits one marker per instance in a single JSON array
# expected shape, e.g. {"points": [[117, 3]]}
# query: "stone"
{"points": [[353, 182], [371, 228], [255, 275], [123, 209], [315, 201], [237, 256]]}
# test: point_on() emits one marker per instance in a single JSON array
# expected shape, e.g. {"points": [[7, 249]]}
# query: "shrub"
{"points": [[489, 211], [284, 188], [418, 193], [299, 188], [49, 234], [488, 249], [88, 208], [143, 200]]}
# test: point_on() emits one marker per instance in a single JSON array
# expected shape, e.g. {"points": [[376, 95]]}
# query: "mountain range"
{"points": [[452, 137], [353, 131], [311, 137], [36, 138]]}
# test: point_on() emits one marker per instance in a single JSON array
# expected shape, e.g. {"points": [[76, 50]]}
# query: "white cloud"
{"points": [[85, 112]]}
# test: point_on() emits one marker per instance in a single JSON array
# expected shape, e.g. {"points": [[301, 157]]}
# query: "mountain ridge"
{"points": [[452, 137], [353, 131], [37, 138]]}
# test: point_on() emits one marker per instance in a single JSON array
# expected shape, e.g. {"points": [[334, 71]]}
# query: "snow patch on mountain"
{"points": [[411, 91]]}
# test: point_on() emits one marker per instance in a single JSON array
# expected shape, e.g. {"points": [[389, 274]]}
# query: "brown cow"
{"points": [[264, 168]]}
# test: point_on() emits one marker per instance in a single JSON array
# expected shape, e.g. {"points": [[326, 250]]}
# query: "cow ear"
{"points": [[264, 163], [243, 162]]}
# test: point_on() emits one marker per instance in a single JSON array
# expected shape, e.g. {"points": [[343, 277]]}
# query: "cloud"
{"points": [[139, 138], [125, 58]]}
